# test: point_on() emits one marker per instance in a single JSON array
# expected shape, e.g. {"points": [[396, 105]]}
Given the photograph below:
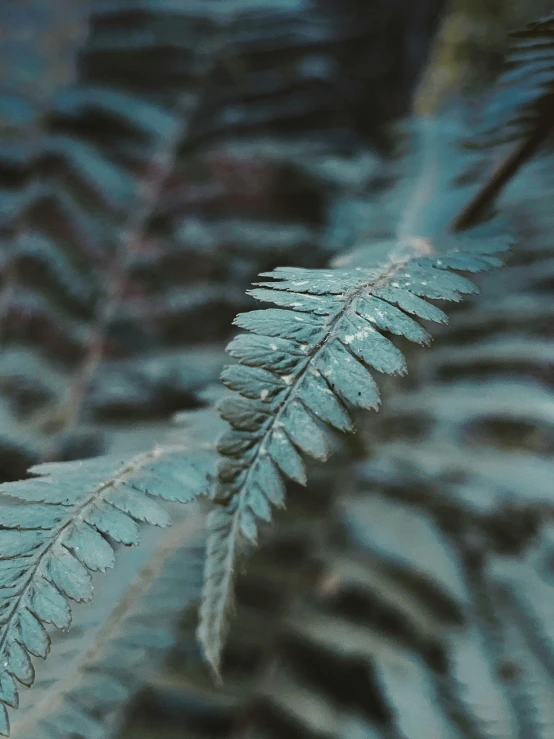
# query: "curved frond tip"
{"points": [[300, 366]]}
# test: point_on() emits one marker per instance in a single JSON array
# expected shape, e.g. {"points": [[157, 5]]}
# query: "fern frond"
{"points": [[300, 366], [462, 468], [58, 527], [116, 645]]}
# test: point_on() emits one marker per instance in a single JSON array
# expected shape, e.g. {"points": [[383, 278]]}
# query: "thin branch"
{"points": [[491, 189], [130, 243]]}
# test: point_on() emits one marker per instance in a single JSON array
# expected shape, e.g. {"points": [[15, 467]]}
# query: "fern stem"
{"points": [[490, 190], [130, 243], [132, 237]]}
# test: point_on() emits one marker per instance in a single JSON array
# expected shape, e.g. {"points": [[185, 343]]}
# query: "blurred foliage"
{"points": [[156, 155], [470, 47], [37, 44]]}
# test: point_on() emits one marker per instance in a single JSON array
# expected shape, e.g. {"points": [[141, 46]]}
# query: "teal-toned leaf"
{"points": [[235, 443], [11, 570], [347, 377], [114, 523], [30, 516], [318, 397], [18, 663], [32, 634], [258, 504], [388, 318], [90, 547], [278, 355], [20, 543], [8, 690], [318, 281], [253, 382], [303, 431], [285, 456], [466, 262], [315, 304], [50, 605], [244, 415], [229, 469], [435, 283], [270, 482], [371, 347], [248, 526], [69, 575], [411, 303], [140, 507], [285, 324], [4, 721]]}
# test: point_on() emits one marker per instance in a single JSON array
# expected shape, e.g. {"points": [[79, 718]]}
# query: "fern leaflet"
{"points": [[58, 528], [299, 366]]}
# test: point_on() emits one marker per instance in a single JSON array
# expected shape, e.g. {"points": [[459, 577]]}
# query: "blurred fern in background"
{"points": [[156, 156]]}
